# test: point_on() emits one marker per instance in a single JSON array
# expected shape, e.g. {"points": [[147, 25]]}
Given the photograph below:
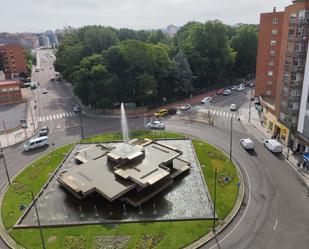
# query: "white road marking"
{"points": [[50, 117], [47, 118], [58, 116], [54, 116], [40, 119], [275, 226]]}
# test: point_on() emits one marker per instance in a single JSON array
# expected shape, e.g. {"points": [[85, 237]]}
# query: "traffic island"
{"points": [[160, 234]]}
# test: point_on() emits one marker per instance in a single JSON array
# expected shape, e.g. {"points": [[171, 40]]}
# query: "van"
{"points": [[35, 143], [273, 145], [247, 143]]}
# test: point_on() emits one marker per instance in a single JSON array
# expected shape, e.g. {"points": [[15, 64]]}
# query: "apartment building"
{"points": [[281, 70], [14, 60]]}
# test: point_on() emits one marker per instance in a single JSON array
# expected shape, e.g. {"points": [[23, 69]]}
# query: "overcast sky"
{"points": [[39, 15]]}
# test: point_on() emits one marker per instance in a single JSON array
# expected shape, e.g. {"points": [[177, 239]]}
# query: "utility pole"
{"points": [[5, 166], [231, 136], [215, 198], [38, 218], [250, 105], [81, 123]]}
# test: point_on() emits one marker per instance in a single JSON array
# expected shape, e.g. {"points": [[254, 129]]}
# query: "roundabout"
{"points": [[131, 235]]}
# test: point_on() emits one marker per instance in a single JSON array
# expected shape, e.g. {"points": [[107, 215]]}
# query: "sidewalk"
{"points": [[256, 129], [20, 135]]}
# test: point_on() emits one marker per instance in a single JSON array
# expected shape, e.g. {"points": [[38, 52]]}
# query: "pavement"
{"points": [[20, 135]]}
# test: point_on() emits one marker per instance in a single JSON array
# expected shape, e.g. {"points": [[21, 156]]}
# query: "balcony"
{"points": [[290, 98], [295, 69], [293, 53], [301, 22], [300, 38]]}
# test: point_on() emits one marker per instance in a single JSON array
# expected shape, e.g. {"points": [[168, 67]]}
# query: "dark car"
{"points": [[76, 109], [44, 131], [171, 111]]}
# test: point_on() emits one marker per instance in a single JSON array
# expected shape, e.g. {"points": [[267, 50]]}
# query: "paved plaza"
{"points": [[186, 199]]}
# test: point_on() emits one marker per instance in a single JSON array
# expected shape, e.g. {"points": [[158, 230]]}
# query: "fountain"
{"points": [[124, 125]]}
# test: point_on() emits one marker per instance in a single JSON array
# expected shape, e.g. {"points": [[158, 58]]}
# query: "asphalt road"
{"points": [[275, 210]]}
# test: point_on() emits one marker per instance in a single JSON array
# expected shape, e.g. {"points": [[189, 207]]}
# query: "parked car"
{"points": [[233, 88], [226, 92], [233, 107], [156, 124], [171, 111], [273, 145], [43, 131], [247, 143], [240, 88], [161, 113], [220, 91], [35, 143], [185, 107], [251, 84], [206, 99], [44, 91], [76, 108]]}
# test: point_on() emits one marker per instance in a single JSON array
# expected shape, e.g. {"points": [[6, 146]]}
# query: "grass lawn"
{"points": [[168, 234]]}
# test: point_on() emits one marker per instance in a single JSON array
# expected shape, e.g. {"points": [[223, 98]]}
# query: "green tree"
{"points": [[245, 43]]}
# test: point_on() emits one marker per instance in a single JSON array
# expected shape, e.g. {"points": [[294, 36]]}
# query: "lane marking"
{"points": [[40, 119], [54, 116], [275, 226]]}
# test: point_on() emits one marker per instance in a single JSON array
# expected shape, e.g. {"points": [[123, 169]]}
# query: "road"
{"points": [[275, 210]]}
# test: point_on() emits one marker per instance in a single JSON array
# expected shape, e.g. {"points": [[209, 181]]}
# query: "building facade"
{"points": [[281, 70], [14, 60], [10, 92]]}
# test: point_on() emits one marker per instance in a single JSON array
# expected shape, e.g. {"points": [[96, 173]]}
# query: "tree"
{"points": [[157, 36], [245, 43]]}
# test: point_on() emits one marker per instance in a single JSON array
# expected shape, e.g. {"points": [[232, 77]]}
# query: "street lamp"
{"points": [[231, 137], [81, 123], [215, 198], [250, 105], [5, 166], [38, 219]]}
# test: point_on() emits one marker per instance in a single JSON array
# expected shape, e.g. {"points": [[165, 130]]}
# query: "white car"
{"points": [[273, 145], [233, 107], [226, 92], [233, 88], [247, 143], [240, 88], [44, 91], [185, 107], [206, 99], [156, 124]]}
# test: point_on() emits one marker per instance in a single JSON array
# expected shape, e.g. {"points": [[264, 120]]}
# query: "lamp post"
{"points": [[215, 198], [4, 162], [250, 105], [81, 123], [231, 137], [38, 218]]}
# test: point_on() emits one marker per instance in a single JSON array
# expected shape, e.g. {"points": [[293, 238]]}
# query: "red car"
{"points": [[220, 91]]}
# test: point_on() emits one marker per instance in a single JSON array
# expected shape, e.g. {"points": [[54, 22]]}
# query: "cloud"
{"points": [[33, 15]]}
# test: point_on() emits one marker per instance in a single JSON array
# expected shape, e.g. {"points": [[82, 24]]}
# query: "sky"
{"points": [[41, 15]]}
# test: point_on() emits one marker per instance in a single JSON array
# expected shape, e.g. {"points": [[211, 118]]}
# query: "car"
{"points": [[233, 107], [273, 145], [185, 107], [161, 113], [43, 131], [251, 84], [156, 124], [226, 92], [44, 91], [233, 88], [206, 99], [171, 111], [52, 78], [240, 88], [247, 143], [76, 109], [220, 91]]}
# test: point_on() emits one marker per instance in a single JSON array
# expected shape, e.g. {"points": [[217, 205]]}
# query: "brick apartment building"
{"points": [[10, 92], [280, 71], [13, 60]]}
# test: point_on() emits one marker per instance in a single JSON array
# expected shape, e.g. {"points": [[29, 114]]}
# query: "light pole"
{"points": [[81, 123], [231, 136], [215, 198], [250, 105], [38, 218], [4, 162]]}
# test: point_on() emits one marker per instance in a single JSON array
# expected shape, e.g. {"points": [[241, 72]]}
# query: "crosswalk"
{"points": [[216, 112], [57, 116]]}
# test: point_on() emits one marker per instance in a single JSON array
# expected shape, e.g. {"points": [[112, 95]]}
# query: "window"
{"points": [[272, 53], [275, 20], [291, 32], [268, 92], [270, 73], [274, 32], [293, 17], [271, 63], [300, 31], [273, 42], [269, 82]]}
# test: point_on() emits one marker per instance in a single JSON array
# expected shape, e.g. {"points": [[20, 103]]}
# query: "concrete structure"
{"points": [[14, 60], [133, 172], [10, 92], [281, 64], [43, 40], [53, 40]]}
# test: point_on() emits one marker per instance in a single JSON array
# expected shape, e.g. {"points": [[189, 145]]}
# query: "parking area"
{"points": [[10, 115]]}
